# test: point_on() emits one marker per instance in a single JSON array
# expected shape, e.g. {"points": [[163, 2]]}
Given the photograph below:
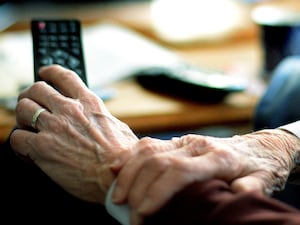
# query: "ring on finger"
{"points": [[36, 116]]}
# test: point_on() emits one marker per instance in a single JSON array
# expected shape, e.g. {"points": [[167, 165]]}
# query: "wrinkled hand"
{"points": [[258, 161], [76, 139]]}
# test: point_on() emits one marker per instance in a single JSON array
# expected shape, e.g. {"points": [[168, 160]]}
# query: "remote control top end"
{"points": [[58, 42]]}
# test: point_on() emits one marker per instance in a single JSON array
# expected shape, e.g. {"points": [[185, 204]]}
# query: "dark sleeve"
{"points": [[29, 196], [212, 203]]}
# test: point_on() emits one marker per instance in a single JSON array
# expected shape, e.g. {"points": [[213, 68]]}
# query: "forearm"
{"points": [[260, 161], [285, 140], [282, 140]]}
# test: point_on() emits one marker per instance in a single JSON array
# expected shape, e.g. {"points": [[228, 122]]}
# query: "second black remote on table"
{"points": [[58, 42]]}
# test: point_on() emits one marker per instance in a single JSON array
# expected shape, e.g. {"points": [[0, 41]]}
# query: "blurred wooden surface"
{"points": [[145, 111]]}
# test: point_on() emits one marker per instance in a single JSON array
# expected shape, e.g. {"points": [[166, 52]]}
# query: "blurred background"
{"points": [[120, 35]]}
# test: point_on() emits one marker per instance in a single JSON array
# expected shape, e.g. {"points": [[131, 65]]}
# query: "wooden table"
{"points": [[145, 111]]}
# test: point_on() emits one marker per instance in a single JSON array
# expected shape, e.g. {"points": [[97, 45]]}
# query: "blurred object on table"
{"points": [[279, 21]]}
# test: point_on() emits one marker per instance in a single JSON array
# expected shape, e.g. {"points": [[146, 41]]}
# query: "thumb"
{"points": [[247, 184]]}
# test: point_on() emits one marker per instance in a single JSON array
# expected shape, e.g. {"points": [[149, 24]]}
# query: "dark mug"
{"points": [[280, 33]]}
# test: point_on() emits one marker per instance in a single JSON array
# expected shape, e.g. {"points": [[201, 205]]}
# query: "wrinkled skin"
{"points": [[76, 139], [83, 148], [260, 161]]}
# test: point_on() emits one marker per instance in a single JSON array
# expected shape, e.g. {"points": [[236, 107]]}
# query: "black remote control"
{"points": [[58, 42], [190, 82]]}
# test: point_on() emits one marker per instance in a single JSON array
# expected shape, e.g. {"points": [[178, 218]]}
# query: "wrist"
{"points": [[295, 173], [286, 142], [105, 178]]}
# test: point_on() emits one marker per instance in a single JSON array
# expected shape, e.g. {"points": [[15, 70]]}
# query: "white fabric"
{"points": [[120, 212], [293, 128]]}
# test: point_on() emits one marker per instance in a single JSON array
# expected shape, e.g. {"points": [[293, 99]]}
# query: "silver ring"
{"points": [[36, 116]]}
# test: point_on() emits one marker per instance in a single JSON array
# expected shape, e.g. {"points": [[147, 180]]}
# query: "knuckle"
{"points": [[38, 86], [146, 146], [21, 104], [67, 74], [75, 107], [146, 140]]}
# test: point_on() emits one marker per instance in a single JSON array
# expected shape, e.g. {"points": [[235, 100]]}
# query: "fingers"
{"points": [[150, 150], [156, 178], [28, 115], [66, 81], [20, 141], [69, 84], [145, 148], [43, 94], [168, 182], [150, 172], [160, 190], [153, 194], [165, 187], [248, 183]]}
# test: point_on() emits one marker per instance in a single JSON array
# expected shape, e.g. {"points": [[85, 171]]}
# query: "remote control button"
{"points": [[43, 37], [73, 62], [43, 44], [53, 44], [73, 28], [60, 54], [64, 44], [60, 61], [63, 28], [47, 60], [75, 44], [42, 51], [76, 51], [63, 38], [74, 38], [52, 28], [41, 26], [52, 38]]}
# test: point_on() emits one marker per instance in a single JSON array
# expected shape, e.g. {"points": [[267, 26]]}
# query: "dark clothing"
{"points": [[212, 203], [29, 196]]}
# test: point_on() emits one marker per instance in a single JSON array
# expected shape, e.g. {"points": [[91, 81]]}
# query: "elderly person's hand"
{"points": [[260, 161], [75, 140]]}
